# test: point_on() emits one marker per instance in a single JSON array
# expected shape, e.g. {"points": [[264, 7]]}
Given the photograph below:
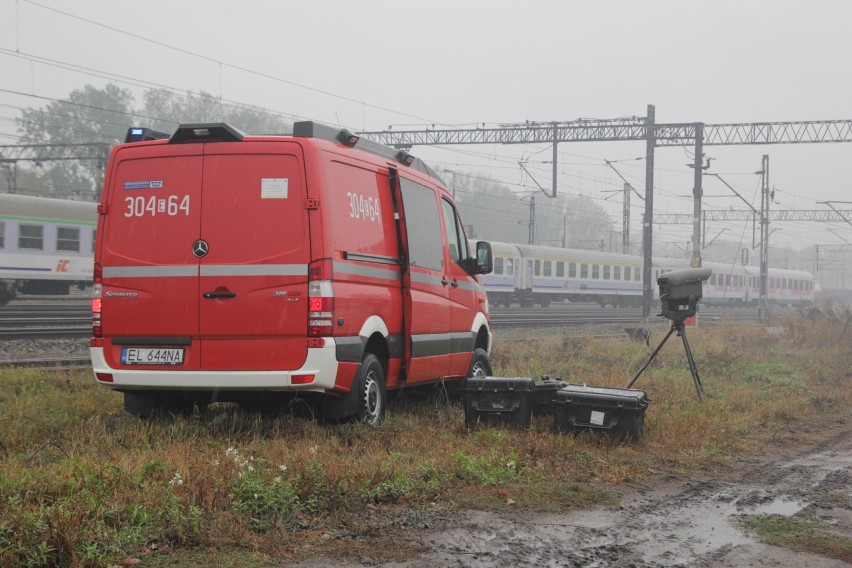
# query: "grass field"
{"points": [[84, 484]]}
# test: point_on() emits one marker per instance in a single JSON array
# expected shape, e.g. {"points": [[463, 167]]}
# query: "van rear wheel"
{"points": [[372, 396]]}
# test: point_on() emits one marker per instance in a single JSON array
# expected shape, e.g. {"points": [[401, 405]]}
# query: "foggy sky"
{"points": [[371, 64]]}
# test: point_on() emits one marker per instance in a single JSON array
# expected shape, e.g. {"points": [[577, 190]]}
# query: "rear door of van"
{"points": [[151, 218], [205, 250], [253, 310]]}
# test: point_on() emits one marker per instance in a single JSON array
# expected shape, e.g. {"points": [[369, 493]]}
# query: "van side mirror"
{"points": [[484, 260]]}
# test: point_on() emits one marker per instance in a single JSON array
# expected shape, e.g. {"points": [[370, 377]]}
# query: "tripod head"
{"points": [[680, 291]]}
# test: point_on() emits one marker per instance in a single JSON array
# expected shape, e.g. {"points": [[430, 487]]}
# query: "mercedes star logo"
{"points": [[200, 248]]}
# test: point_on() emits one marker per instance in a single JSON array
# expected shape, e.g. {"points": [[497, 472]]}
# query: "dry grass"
{"points": [[83, 484]]}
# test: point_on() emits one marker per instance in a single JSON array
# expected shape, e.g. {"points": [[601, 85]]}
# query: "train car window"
{"points": [[94, 238], [596, 271], [498, 265], [31, 237], [560, 269], [548, 268], [510, 267], [627, 273], [2, 234], [637, 274], [68, 239], [727, 279], [616, 273], [584, 270], [572, 270], [537, 270], [606, 272]]}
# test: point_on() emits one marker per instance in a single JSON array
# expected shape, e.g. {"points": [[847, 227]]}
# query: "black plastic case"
{"points": [[616, 411]]}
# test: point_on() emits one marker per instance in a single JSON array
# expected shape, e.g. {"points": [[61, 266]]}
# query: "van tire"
{"points": [[480, 366], [372, 396]]}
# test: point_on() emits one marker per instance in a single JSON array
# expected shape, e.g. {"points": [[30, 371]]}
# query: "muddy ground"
{"points": [[666, 520]]}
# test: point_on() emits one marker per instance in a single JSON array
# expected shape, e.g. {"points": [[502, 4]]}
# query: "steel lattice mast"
{"points": [[635, 128]]}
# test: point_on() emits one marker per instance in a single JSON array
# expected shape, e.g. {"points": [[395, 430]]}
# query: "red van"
{"points": [[245, 268]]}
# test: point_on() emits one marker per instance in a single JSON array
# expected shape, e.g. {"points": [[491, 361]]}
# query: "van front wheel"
{"points": [[372, 396], [480, 366]]}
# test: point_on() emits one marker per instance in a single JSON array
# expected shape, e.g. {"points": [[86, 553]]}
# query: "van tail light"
{"points": [[97, 288], [320, 298]]}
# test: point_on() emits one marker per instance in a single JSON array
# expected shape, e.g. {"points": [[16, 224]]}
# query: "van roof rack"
{"points": [[311, 129], [206, 132], [137, 134]]}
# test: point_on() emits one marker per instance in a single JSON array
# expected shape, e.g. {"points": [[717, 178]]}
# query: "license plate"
{"points": [[146, 356]]}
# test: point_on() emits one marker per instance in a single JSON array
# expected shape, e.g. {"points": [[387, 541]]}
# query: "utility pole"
{"points": [[555, 156], [647, 227], [697, 193], [531, 239], [625, 216], [763, 309]]}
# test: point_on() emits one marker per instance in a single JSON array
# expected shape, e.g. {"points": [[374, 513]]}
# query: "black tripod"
{"points": [[677, 325]]}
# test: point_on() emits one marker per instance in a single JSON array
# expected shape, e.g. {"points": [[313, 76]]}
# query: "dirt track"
{"points": [[667, 520]]}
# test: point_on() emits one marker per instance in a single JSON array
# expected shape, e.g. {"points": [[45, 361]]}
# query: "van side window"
{"points": [[425, 245], [455, 234]]}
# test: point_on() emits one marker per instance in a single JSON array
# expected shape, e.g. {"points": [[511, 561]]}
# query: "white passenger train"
{"points": [[527, 275], [45, 245]]}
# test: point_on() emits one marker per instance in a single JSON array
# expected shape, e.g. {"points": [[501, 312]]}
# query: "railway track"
{"points": [[42, 317], [71, 317], [48, 364]]}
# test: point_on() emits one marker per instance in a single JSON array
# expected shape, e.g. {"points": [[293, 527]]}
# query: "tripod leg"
{"points": [[651, 357], [692, 367]]}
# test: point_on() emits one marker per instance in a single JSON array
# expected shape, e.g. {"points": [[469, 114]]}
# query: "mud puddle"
{"points": [[667, 521], [677, 523]]}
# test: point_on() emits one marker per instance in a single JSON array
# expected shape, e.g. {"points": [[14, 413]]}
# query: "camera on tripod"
{"points": [[680, 291]]}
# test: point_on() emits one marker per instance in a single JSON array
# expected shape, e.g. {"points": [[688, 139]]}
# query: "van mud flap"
{"points": [[339, 408]]}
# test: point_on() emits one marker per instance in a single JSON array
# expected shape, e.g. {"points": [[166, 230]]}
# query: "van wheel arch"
{"points": [[369, 381]]}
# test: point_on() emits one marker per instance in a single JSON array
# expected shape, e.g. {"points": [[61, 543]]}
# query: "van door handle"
{"points": [[214, 295], [454, 283], [444, 281]]}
